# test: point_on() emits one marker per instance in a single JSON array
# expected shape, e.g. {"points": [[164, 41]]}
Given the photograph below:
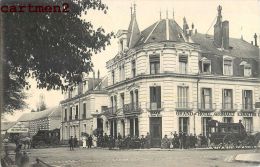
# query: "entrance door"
{"points": [[156, 131]]}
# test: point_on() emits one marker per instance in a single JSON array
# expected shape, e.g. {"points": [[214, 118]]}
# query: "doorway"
{"points": [[156, 131]]}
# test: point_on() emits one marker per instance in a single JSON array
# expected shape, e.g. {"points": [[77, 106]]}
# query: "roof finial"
{"points": [[167, 14], [160, 14], [131, 10], [134, 8], [173, 13]]}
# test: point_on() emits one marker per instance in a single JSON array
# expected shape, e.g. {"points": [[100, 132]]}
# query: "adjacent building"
{"points": [[82, 108], [170, 78], [48, 119]]}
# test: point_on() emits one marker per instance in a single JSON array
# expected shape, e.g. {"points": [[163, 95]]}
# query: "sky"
{"points": [[243, 17]]}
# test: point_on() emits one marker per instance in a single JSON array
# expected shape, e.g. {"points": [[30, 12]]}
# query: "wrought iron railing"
{"points": [[207, 106], [184, 105], [228, 107], [131, 108]]}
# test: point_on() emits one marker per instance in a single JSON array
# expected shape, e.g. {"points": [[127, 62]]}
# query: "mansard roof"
{"points": [[237, 47]]}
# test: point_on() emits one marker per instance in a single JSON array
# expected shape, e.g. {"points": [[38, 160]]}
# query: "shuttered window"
{"points": [[247, 99], [206, 98], [183, 64], [155, 97], [228, 67], [227, 99], [182, 97]]}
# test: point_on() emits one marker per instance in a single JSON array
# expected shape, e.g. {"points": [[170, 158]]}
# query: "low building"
{"points": [[82, 109], [48, 119]]}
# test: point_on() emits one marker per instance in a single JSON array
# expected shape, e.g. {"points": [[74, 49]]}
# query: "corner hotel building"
{"points": [[169, 78]]}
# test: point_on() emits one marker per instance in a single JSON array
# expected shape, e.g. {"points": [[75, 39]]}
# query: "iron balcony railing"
{"points": [[247, 107], [228, 107], [131, 108], [207, 106], [184, 106], [110, 111], [155, 106]]}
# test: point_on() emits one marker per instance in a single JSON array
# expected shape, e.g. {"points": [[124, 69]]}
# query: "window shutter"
{"points": [[158, 95]]}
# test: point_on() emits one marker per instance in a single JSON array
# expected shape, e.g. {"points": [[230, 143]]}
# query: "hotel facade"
{"points": [[169, 78]]}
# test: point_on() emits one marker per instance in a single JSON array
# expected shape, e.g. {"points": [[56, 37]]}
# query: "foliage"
{"points": [[53, 48]]}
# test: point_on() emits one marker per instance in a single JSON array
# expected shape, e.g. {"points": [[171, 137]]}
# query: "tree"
{"points": [[54, 48]]}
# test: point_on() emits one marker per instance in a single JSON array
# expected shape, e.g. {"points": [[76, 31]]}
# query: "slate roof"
{"points": [[157, 32], [238, 47], [51, 112]]}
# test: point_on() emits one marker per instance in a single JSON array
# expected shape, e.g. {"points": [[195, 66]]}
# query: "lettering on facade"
{"points": [[184, 113], [247, 114]]}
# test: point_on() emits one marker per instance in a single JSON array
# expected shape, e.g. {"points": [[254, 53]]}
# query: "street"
{"points": [[139, 158]]}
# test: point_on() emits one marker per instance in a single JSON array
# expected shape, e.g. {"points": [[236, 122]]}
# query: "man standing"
{"points": [[148, 140], [71, 143], [90, 141]]}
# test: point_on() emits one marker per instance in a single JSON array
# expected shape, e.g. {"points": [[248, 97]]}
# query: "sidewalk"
{"points": [[248, 158]]}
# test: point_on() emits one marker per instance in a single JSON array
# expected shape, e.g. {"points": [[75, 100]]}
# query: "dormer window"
{"points": [[205, 66], [227, 66], [247, 69]]}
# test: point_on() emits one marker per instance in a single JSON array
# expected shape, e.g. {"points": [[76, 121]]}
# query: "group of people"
{"points": [[184, 141], [21, 157], [87, 141], [123, 142]]}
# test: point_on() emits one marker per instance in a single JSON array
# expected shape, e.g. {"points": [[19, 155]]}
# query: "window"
{"points": [[155, 97], [122, 72], [227, 99], [247, 70], [84, 110], [113, 77], [184, 124], [206, 98], [248, 124], [205, 128], [154, 64], [182, 97], [228, 68], [183, 64], [134, 128], [122, 95], [206, 66], [77, 112], [133, 68], [65, 114], [247, 100], [70, 113]]}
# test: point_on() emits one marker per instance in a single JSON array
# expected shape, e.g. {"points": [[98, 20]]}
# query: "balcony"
{"points": [[228, 107], [247, 108], [207, 107], [132, 108], [154, 107], [184, 106], [110, 111]]}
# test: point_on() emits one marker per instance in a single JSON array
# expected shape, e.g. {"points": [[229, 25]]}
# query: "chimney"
{"points": [[255, 36], [218, 29], [225, 34], [98, 74]]}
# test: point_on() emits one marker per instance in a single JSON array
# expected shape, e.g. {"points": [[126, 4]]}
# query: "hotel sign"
{"points": [[18, 128]]}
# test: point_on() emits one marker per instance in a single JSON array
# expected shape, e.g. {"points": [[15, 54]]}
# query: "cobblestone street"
{"points": [[139, 158]]}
